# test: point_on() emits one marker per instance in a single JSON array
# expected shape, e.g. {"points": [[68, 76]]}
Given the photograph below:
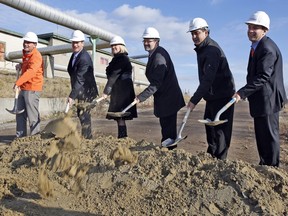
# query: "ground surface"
{"points": [[108, 176]]}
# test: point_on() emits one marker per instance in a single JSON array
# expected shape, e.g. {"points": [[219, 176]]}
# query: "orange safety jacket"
{"points": [[31, 78]]}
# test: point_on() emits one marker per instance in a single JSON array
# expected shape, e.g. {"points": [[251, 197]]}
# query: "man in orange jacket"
{"points": [[30, 84]]}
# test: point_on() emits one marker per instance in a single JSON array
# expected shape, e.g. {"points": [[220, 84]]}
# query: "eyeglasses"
{"points": [[148, 41]]}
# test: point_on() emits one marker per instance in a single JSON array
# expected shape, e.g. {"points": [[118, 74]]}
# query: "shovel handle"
{"points": [[128, 107], [184, 122], [94, 102], [67, 107], [16, 93], [99, 99], [223, 109]]}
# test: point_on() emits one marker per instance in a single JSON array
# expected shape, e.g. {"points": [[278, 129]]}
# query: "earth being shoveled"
{"points": [[67, 175]]}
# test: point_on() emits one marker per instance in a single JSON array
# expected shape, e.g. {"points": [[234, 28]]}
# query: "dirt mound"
{"points": [[109, 176]]}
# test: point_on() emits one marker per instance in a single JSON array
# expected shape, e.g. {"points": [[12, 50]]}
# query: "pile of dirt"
{"points": [[108, 176]]}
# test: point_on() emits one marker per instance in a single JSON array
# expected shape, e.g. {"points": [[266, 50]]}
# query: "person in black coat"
{"points": [[264, 89], [164, 86], [120, 85], [83, 84], [216, 87]]}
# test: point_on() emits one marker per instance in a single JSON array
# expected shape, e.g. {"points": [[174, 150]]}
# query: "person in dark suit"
{"points": [[164, 86], [120, 85], [264, 89], [83, 84], [216, 87]]}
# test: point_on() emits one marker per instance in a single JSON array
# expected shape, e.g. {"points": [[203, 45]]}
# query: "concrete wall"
{"points": [[47, 106]]}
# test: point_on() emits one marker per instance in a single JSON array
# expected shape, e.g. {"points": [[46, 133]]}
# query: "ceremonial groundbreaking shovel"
{"points": [[217, 121], [170, 142], [123, 113]]}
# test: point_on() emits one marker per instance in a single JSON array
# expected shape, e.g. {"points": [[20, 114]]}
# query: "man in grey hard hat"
{"points": [[216, 87], [83, 84], [264, 88]]}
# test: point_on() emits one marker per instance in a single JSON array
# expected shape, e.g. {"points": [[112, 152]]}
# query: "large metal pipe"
{"points": [[53, 50], [45, 12]]}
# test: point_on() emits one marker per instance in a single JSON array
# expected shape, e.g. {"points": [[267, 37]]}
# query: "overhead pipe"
{"points": [[54, 50], [48, 13], [45, 12]]}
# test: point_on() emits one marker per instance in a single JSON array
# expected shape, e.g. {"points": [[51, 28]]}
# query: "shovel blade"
{"points": [[170, 142], [15, 111], [61, 127], [204, 121], [212, 123], [118, 114], [215, 123]]}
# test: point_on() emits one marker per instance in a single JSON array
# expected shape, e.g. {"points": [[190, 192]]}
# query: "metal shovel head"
{"points": [[118, 114], [61, 127], [15, 111], [170, 142], [212, 123]]}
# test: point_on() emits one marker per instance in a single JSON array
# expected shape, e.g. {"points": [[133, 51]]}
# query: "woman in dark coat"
{"points": [[120, 85]]}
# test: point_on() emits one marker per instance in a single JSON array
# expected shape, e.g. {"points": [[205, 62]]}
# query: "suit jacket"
{"points": [[265, 87], [164, 86], [83, 84]]}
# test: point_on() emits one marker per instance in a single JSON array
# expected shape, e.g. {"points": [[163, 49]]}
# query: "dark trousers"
{"points": [[267, 138], [85, 121], [168, 127], [219, 137]]}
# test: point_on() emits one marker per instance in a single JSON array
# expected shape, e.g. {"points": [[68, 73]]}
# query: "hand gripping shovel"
{"points": [[123, 113], [217, 121], [170, 142]]}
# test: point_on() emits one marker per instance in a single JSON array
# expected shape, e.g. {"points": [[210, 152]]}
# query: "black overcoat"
{"points": [[120, 86], [164, 86]]}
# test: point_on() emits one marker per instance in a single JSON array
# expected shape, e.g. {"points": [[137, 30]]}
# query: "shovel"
{"points": [[170, 142], [15, 108], [123, 113], [89, 106], [61, 126], [217, 121]]}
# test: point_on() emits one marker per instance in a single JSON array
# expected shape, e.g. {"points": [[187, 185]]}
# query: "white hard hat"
{"points": [[117, 40], [197, 23], [259, 18], [151, 32], [77, 35], [31, 37]]}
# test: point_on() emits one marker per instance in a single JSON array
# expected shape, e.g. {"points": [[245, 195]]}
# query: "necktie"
{"points": [[73, 60], [252, 52]]}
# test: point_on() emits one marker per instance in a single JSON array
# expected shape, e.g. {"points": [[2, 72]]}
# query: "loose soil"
{"points": [[67, 175]]}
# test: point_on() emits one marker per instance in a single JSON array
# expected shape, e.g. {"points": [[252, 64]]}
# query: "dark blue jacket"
{"points": [[83, 84], [265, 87]]}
